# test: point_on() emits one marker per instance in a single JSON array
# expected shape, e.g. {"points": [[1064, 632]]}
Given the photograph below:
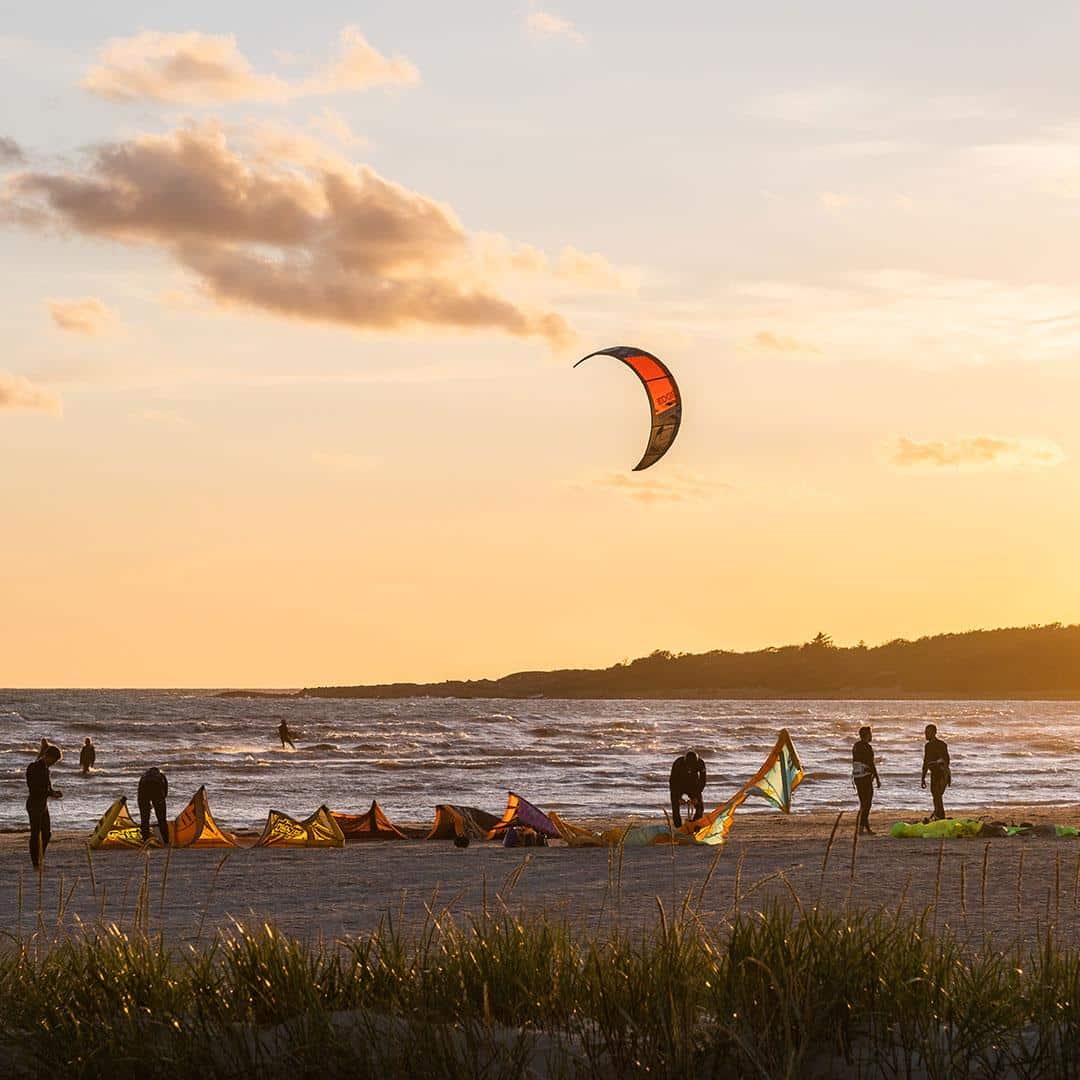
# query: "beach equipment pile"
{"points": [[195, 827]]}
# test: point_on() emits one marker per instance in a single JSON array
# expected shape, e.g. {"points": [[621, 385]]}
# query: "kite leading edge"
{"points": [[665, 400]]}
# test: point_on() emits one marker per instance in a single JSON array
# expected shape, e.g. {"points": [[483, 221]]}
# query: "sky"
{"points": [[291, 308]]}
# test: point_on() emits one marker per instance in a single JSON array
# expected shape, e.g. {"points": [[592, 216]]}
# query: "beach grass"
{"points": [[787, 991]]}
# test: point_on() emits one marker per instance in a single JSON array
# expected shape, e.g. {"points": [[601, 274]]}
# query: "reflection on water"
{"points": [[589, 757]]}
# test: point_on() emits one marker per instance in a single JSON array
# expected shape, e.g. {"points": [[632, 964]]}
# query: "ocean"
{"points": [[581, 758]]}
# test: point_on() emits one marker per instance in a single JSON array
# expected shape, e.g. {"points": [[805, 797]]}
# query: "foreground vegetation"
{"points": [[782, 993], [1024, 662]]}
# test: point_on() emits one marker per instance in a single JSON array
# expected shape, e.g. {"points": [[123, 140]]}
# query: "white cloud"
{"points": [[88, 316], [976, 452]]}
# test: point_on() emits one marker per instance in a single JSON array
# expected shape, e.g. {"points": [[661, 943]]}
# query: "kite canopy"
{"points": [[116, 829], [319, 830], [520, 812], [371, 825], [663, 393], [195, 826], [452, 821]]}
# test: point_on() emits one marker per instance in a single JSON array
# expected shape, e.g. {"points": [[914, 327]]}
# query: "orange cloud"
{"points": [[766, 339], [19, 394], [301, 237], [87, 316], [203, 69], [542, 24], [982, 451], [676, 486]]}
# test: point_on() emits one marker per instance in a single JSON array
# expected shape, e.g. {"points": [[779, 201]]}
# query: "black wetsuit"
{"points": [[285, 735], [862, 753], [153, 789], [37, 808], [936, 762], [687, 779], [87, 757]]}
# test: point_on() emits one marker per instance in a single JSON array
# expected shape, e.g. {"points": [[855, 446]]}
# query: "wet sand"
{"points": [[1030, 883]]}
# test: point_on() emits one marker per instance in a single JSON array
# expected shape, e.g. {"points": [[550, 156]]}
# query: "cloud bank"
{"points": [[19, 394], [981, 451], [87, 316], [300, 235], [204, 69]]}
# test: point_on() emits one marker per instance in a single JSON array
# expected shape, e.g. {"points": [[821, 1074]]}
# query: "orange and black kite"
{"points": [[664, 398]]}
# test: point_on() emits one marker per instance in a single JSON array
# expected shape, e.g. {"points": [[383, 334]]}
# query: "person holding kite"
{"points": [[687, 778]]}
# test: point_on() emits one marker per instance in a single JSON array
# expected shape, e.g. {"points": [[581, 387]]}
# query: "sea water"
{"points": [[582, 758]]}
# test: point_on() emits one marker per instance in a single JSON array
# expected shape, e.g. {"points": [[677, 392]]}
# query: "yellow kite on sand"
{"points": [[194, 826]]}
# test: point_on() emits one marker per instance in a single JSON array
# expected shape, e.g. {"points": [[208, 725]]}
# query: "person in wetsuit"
{"points": [[153, 790], [41, 791], [285, 735], [87, 756], [864, 776], [936, 762], [687, 778]]}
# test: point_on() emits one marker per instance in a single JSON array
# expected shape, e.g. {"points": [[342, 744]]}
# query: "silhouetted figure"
{"points": [[41, 791], [936, 762], [153, 790], [285, 735], [87, 756], [45, 744], [864, 776], [687, 778]]}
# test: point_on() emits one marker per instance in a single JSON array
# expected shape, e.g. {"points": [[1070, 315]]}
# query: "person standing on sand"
{"points": [[864, 776], [936, 762], [87, 756], [285, 735], [37, 802], [153, 789], [687, 778]]}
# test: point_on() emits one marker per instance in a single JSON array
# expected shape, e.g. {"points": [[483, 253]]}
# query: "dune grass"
{"points": [[782, 992]]}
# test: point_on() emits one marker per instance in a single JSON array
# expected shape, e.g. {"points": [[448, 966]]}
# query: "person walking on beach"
{"points": [[285, 735], [41, 791], [687, 778], [153, 789], [864, 776], [87, 756], [936, 762]]}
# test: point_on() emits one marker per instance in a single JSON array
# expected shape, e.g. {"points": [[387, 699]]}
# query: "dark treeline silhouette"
{"points": [[1020, 662]]}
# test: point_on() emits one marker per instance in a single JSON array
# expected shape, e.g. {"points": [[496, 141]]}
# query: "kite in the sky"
{"points": [[664, 398]]}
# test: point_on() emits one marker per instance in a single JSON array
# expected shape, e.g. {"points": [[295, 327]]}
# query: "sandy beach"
{"points": [[1029, 883]]}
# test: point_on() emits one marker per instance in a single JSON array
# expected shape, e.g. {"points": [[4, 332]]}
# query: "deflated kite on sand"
{"points": [[371, 825], [319, 830], [194, 826]]}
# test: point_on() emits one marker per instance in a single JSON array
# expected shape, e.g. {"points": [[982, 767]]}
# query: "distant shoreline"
{"points": [[688, 695]]}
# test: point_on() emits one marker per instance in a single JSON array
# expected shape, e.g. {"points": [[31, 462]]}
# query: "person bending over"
{"points": [[41, 791], [153, 790], [285, 735], [687, 778], [87, 756], [864, 776], [936, 762]]}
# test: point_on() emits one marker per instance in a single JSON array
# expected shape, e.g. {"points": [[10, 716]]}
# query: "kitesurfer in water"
{"points": [[153, 790], [285, 735], [87, 756], [936, 762], [41, 791], [864, 776], [687, 778]]}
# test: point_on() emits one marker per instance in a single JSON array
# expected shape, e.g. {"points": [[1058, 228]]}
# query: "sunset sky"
{"points": [[292, 297]]}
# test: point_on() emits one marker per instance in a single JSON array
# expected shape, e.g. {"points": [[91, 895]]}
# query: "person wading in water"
{"points": [[87, 757], [936, 762], [285, 735], [864, 776]]}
